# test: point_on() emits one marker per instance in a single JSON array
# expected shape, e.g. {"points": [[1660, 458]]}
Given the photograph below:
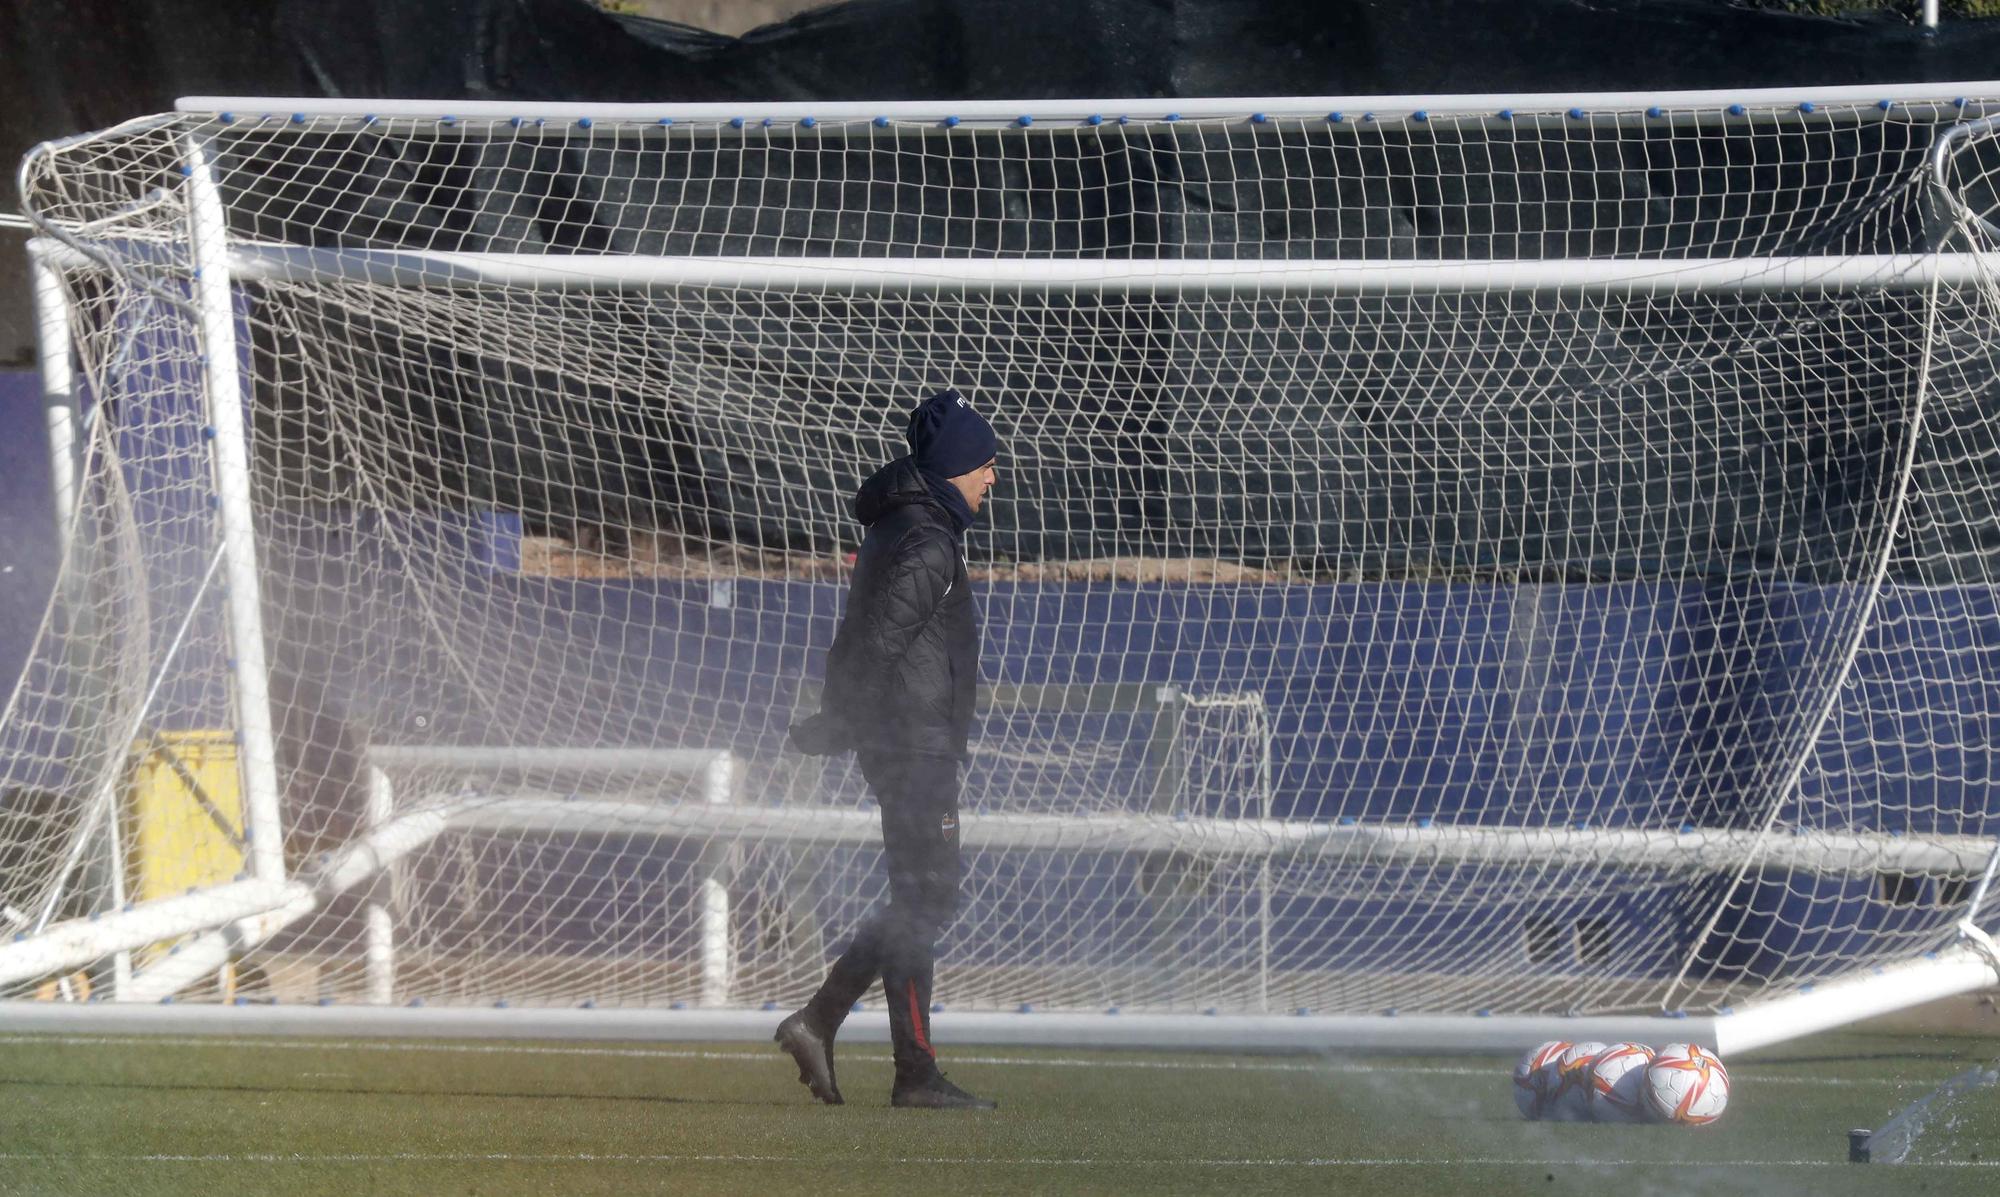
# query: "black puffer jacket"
{"points": [[904, 669]]}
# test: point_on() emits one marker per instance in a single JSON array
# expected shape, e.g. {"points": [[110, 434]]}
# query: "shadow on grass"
{"points": [[1883, 1057], [401, 1091]]}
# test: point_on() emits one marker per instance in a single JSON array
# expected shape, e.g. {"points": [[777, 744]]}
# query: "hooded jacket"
{"points": [[903, 673]]}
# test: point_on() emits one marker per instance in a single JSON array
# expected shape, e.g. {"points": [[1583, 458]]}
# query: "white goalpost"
{"points": [[1468, 569]]}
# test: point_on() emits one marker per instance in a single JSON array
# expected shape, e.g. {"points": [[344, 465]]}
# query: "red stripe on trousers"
{"points": [[917, 1022]]}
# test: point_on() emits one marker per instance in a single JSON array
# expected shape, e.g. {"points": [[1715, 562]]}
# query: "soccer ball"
{"points": [[1534, 1077], [1687, 1084], [1570, 1100], [1618, 1083]]}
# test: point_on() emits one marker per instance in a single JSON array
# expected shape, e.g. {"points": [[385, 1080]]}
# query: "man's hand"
{"points": [[817, 735]]}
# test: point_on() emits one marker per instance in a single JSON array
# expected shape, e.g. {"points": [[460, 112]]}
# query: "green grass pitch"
{"points": [[97, 1114]]}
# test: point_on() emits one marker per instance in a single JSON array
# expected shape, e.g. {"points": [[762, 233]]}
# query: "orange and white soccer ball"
{"points": [[1535, 1078], [1687, 1084], [1618, 1083], [1570, 1101]]}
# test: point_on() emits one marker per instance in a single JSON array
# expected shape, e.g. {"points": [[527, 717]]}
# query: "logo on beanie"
{"points": [[948, 436]]}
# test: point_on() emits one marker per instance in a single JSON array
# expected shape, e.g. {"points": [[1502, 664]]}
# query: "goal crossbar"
{"points": [[788, 115], [613, 272]]}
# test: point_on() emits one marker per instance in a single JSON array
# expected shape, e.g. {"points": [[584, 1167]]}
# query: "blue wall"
{"points": [[1661, 702], [28, 553], [1653, 703]]}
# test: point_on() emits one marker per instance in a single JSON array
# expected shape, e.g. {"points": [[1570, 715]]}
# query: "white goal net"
{"points": [[1451, 557]]}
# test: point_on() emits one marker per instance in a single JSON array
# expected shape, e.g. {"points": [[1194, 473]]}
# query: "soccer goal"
{"points": [[1464, 567]]}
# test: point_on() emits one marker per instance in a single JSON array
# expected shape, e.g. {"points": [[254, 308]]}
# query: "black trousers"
{"points": [[897, 942]]}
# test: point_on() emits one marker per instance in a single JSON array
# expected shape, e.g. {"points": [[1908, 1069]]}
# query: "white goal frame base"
{"points": [[1965, 968]]}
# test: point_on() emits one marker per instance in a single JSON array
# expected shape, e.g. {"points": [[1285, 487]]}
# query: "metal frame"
{"points": [[1809, 1010], [214, 297], [615, 272], [59, 399], [792, 114]]}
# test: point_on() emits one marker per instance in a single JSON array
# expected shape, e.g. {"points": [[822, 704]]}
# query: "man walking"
{"points": [[900, 683]]}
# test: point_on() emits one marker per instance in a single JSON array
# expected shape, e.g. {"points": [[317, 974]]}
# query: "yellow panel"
{"points": [[173, 842]]}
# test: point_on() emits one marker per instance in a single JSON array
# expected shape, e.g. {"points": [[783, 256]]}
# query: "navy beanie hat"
{"points": [[948, 438]]}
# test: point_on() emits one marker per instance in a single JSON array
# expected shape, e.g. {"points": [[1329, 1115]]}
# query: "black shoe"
{"points": [[936, 1093], [814, 1053]]}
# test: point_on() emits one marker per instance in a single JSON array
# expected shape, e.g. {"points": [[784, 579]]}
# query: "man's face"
{"points": [[975, 484]]}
